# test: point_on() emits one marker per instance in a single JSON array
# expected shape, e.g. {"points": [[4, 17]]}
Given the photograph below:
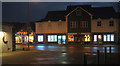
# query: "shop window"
{"points": [[95, 38], [40, 38], [26, 39], [99, 38], [104, 36], [87, 38], [70, 38], [99, 23], [18, 39], [64, 39], [111, 23], [52, 38], [108, 37], [112, 37], [31, 38]]}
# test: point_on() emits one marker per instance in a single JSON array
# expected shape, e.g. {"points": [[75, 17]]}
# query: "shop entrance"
{"points": [[61, 39]]}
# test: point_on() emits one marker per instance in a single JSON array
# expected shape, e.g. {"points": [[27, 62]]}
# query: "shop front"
{"points": [[23, 38], [79, 38], [103, 38], [51, 38]]}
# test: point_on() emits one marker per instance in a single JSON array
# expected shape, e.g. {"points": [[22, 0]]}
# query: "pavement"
{"points": [[61, 54]]}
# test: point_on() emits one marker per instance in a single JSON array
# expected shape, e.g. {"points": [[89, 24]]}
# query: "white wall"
{"points": [[8, 37], [51, 27], [104, 25]]}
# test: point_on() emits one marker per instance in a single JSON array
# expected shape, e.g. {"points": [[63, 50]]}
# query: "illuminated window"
{"points": [[99, 36], [52, 38], [87, 38], [64, 39], [40, 38], [70, 38], [18, 39], [95, 38], [112, 37], [31, 38], [26, 38], [109, 37], [105, 37]]}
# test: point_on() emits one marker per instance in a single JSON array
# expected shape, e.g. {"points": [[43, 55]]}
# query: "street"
{"points": [[60, 54]]}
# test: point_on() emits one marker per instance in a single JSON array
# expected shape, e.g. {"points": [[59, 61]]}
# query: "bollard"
{"points": [[110, 50], [105, 54], [110, 53], [23, 48], [98, 54], [85, 60]]}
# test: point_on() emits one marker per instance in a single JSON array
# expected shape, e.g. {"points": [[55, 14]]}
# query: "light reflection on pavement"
{"points": [[56, 54], [92, 48]]}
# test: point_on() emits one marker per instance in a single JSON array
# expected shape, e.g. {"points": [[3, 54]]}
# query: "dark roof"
{"points": [[17, 26], [103, 12], [55, 16], [97, 12]]}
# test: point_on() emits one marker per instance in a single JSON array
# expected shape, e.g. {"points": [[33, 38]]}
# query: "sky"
{"points": [[18, 11]]}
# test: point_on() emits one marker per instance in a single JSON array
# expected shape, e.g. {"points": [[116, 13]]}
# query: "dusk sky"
{"points": [[17, 12]]}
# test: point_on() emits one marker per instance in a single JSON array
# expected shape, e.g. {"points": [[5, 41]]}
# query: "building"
{"points": [[6, 38], [77, 24], [24, 35]]}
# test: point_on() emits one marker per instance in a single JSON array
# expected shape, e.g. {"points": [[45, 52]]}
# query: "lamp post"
{"points": [[28, 31]]}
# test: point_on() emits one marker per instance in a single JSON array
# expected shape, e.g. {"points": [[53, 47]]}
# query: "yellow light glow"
{"points": [[31, 38], [87, 38]]}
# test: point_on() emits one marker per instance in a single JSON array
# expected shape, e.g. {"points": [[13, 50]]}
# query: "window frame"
{"points": [[111, 23], [99, 23]]}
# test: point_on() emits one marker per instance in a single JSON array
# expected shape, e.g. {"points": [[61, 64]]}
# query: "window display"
{"points": [[95, 38], [18, 39], [31, 38], [52, 38], [108, 37], [70, 38], [87, 38], [40, 38], [64, 39], [112, 37]]}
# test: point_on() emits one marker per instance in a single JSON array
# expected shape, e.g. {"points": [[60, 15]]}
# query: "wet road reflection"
{"points": [[60, 54], [72, 48]]}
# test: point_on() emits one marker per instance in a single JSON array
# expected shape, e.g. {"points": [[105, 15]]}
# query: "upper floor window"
{"points": [[99, 23], [84, 24], [111, 23], [73, 24]]}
